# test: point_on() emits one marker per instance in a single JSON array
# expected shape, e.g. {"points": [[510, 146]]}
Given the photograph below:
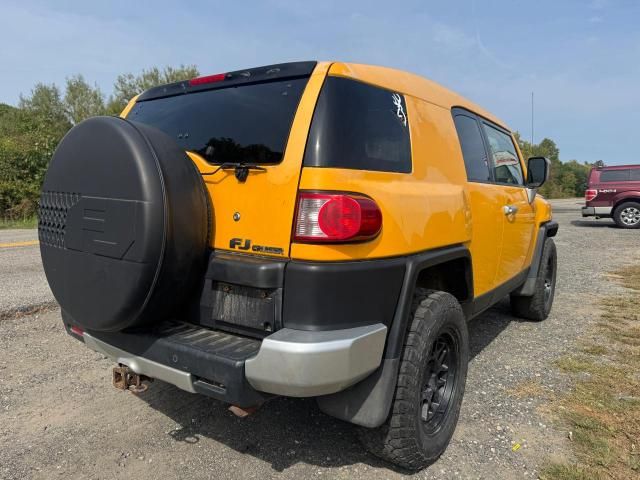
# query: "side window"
{"points": [[615, 176], [470, 137], [359, 126], [635, 175], [504, 159]]}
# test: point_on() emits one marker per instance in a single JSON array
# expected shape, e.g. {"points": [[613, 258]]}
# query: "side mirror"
{"points": [[537, 172]]}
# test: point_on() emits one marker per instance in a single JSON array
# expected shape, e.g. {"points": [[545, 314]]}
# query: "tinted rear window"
{"points": [[614, 175], [248, 124], [359, 126]]}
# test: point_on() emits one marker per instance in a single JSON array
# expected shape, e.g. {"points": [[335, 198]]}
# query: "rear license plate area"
{"points": [[246, 310]]}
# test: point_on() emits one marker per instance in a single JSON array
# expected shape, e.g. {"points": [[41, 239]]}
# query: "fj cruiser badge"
{"points": [[245, 244]]}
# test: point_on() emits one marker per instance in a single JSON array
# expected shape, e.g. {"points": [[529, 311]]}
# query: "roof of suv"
{"points": [[409, 84]]}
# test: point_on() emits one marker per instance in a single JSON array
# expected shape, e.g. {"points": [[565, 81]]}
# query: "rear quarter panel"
{"points": [[423, 210]]}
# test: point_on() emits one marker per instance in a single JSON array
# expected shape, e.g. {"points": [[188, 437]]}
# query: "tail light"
{"points": [[590, 195], [218, 77], [336, 218]]}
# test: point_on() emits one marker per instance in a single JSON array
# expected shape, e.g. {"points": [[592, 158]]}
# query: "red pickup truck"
{"points": [[614, 192]]}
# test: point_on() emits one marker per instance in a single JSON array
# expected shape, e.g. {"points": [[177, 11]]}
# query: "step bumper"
{"points": [[299, 363]]}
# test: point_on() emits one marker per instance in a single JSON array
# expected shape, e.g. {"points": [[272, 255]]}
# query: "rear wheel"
{"points": [[538, 306], [627, 215], [430, 385]]}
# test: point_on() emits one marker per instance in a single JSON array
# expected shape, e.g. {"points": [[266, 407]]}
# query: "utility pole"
{"points": [[531, 119]]}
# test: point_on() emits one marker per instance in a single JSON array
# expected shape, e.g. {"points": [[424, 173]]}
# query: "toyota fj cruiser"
{"points": [[307, 229]]}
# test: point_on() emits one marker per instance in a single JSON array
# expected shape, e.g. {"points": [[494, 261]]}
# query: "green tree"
{"points": [[27, 141], [566, 179], [81, 100], [46, 106], [128, 85]]}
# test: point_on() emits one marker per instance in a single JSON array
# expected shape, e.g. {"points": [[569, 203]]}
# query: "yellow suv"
{"points": [[305, 229]]}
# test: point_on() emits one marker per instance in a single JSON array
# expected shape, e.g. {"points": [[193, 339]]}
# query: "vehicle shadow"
{"points": [[287, 431], [593, 223], [486, 327]]}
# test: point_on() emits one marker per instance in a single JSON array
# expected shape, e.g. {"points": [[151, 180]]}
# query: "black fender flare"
{"points": [[546, 230], [367, 403]]}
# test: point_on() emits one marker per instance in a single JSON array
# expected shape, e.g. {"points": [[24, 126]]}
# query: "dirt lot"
{"points": [[60, 417]]}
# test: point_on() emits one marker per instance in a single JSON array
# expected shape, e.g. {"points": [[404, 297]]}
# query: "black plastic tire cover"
{"points": [[123, 224]]}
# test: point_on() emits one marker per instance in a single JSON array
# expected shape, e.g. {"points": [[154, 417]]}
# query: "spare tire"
{"points": [[123, 225]]}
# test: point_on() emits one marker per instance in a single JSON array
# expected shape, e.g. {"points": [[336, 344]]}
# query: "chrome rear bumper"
{"points": [[596, 211], [300, 363]]}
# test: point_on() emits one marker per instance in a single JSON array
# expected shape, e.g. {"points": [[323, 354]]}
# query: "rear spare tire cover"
{"points": [[123, 224]]}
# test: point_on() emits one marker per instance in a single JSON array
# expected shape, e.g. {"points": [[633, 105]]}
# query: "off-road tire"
{"points": [[619, 213], [538, 306], [402, 439]]}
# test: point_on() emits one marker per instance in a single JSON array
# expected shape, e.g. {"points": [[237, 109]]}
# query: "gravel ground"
{"points": [[22, 282], [60, 418]]}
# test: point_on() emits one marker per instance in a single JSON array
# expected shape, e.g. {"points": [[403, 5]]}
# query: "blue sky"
{"points": [[581, 58]]}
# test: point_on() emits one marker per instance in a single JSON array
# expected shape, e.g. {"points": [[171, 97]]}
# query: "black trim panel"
{"points": [[487, 300], [547, 230], [233, 79], [331, 296], [246, 270], [551, 228], [414, 265], [216, 358]]}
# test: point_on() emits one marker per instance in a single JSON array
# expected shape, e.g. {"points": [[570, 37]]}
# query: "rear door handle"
{"points": [[510, 210]]}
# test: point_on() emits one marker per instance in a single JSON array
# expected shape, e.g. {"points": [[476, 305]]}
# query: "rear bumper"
{"points": [[234, 369], [596, 211], [141, 365], [300, 363]]}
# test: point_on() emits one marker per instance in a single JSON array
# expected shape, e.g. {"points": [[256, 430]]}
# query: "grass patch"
{"points": [[602, 412], [574, 364], [561, 471], [528, 389], [27, 222], [595, 350]]}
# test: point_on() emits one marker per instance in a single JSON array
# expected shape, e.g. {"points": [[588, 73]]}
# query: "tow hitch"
{"points": [[126, 379]]}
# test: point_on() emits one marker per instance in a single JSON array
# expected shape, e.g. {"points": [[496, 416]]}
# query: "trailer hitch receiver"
{"points": [[126, 379]]}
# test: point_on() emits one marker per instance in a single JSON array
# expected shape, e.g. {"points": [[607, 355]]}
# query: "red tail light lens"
{"points": [[77, 330], [590, 195], [207, 79], [336, 218]]}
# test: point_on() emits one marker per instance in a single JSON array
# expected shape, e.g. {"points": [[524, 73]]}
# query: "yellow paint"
{"points": [[420, 211], [432, 207], [266, 201], [129, 106], [27, 243]]}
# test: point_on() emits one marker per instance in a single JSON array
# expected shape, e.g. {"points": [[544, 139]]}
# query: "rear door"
{"points": [[517, 213], [263, 121], [485, 201]]}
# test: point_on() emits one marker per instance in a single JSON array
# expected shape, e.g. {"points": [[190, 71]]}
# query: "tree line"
{"points": [[30, 132], [567, 179]]}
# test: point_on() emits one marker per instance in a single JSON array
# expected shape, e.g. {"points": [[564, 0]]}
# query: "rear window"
{"points": [[359, 126], [248, 124], [615, 176]]}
